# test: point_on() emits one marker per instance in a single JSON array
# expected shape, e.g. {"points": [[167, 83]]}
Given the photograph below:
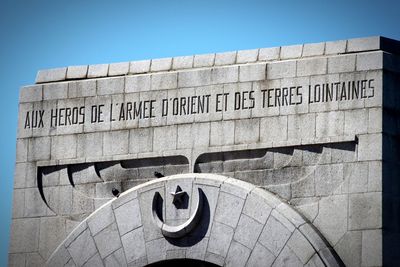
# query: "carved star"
{"points": [[178, 195]]}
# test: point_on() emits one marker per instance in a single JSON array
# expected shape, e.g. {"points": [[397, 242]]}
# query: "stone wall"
{"points": [[276, 117]]}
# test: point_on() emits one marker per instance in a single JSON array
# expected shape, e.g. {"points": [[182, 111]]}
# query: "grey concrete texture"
{"points": [[99, 240]]}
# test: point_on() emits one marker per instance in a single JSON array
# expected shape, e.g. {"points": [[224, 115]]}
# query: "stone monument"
{"points": [[266, 157]]}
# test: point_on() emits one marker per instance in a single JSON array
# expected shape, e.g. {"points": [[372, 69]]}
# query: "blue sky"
{"points": [[45, 34]]}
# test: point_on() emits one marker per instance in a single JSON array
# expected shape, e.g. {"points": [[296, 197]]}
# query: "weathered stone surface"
{"points": [[371, 254], [291, 51], [365, 211], [51, 75], [345, 63], [141, 66], [206, 60], [117, 69], [25, 236], [133, 244], [77, 72], [253, 72], [316, 49], [55, 91], [268, 54], [161, 64], [184, 62], [128, 223], [137, 83], [226, 58], [108, 240], [242, 233], [260, 256], [116, 143], [335, 47], [237, 255], [31, 93], [332, 217], [108, 86], [280, 70], [274, 236], [220, 239], [98, 70], [82, 248], [307, 67]]}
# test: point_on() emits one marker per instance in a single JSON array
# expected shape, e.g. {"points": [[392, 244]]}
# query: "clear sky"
{"points": [[54, 33]]}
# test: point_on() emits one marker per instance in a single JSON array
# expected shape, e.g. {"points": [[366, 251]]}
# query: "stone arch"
{"points": [[240, 225]]}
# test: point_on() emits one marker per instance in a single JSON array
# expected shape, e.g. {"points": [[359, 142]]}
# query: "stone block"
{"points": [[226, 58], [89, 145], [349, 248], [193, 135], [194, 78], [156, 250], [375, 120], [81, 88], [287, 258], [52, 232], [118, 69], [375, 176], [109, 86], [273, 129], [369, 147], [162, 64], [220, 239], [242, 233], [237, 255], [301, 126], [164, 81], [228, 209], [24, 235], [51, 75], [301, 247], [128, 216], [371, 254], [332, 218], [140, 140], [236, 90], [141, 66], [165, 138], [63, 147], [206, 60], [284, 69], [253, 72], [18, 203], [22, 150], [61, 259], [328, 178], [246, 56], [257, 207], [55, 91], [222, 133], [330, 124], [274, 236], [137, 83], [108, 240], [39, 148], [291, 51], [77, 72], [260, 256], [116, 259], [268, 54], [98, 70], [184, 62], [315, 49], [94, 261], [31, 93], [116, 142], [344, 63], [82, 248], [247, 131], [363, 44], [305, 187], [356, 174], [365, 211], [225, 74], [335, 47], [100, 220], [369, 61], [314, 66], [34, 259]]}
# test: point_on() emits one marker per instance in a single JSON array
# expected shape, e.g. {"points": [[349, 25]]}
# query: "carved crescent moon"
{"points": [[182, 229]]}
